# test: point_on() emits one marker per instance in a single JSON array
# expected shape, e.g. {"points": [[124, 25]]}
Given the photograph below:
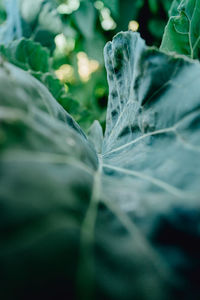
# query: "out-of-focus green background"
{"points": [[75, 32]]}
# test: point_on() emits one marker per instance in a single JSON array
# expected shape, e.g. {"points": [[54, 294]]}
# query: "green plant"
{"points": [[70, 27], [182, 33], [103, 216]]}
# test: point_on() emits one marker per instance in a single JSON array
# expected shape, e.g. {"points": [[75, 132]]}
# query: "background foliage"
{"points": [[74, 33]]}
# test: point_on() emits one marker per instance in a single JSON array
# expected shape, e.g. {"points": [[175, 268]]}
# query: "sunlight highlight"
{"points": [[86, 66], [133, 25]]}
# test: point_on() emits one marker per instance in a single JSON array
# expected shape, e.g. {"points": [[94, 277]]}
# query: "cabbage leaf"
{"points": [[119, 222]]}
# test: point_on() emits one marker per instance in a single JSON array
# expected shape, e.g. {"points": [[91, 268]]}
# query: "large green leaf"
{"points": [[136, 111], [151, 146], [123, 226], [182, 33], [38, 138]]}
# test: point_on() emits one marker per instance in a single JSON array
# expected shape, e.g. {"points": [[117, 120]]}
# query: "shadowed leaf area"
{"points": [[113, 217]]}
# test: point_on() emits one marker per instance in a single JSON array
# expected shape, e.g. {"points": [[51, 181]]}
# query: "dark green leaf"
{"points": [[129, 10], [113, 5], [27, 54], [156, 27], [32, 57], [182, 33], [154, 6]]}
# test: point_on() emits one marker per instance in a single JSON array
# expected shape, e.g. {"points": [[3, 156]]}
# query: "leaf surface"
{"points": [[182, 33], [46, 175], [12, 28], [151, 146], [32, 57], [113, 227]]}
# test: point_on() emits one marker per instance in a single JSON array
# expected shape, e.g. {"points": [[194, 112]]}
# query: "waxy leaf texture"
{"points": [[121, 222]]}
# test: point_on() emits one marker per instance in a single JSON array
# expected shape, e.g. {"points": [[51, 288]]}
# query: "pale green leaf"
{"points": [[12, 28], [123, 224], [95, 135], [85, 19]]}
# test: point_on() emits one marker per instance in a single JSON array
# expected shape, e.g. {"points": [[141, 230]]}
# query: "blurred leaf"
{"points": [[38, 20], [2, 12], [174, 8], [41, 21], [85, 19], [129, 10], [167, 4], [154, 6], [49, 19], [27, 55], [94, 47], [32, 57], [95, 136], [12, 28], [30, 9], [182, 33], [52, 83], [120, 225], [113, 5], [156, 27]]}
